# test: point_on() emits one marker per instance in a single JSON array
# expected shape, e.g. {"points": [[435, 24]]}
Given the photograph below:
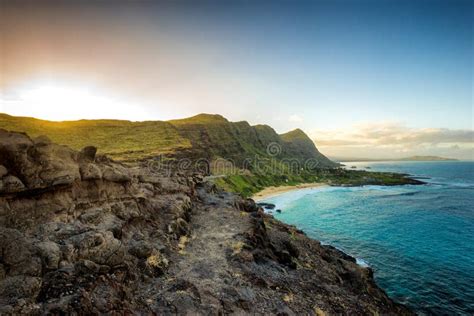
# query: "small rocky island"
{"points": [[83, 234]]}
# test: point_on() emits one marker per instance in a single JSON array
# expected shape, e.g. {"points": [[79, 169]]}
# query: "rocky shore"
{"points": [[82, 234]]}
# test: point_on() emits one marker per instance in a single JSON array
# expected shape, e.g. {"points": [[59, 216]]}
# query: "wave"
{"points": [[362, 263], [359, 261], [400, 194]]}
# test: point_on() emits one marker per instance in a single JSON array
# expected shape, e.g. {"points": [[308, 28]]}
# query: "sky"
{"points": [[363, 78]]}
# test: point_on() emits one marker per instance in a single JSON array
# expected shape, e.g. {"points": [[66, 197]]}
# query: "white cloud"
{"points": [[389, 139], [295, 118]]}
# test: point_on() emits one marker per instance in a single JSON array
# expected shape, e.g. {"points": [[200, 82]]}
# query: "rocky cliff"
{"points": [[83, 234], [214, 136]]}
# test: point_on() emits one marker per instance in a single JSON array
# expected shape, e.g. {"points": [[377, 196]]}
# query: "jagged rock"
{"points": [[12, 184], [126, 210], [88, 266], [16, 254], [88, 153], [178, 227], [141, 249], [100, 247], [150, 178], [50, 254], [241, 297], [181, 227], [248, 205], [267, 206], [17, 291], [116, 174], [38, 165], [90, 171]]}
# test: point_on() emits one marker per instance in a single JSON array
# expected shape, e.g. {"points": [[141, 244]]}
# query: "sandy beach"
{"points": [[272, 191]]}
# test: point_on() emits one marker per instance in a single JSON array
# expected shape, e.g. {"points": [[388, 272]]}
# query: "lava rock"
{"points": [[88, 153]]}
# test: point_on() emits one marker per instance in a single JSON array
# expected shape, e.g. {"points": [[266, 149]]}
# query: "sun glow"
{"points": [[58, 102]]}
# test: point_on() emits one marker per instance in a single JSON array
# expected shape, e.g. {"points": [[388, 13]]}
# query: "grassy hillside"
{"points": [[203, 136], [120, 139]]}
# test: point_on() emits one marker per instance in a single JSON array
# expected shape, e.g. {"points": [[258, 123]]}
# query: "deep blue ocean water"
{"points": [[418, 239]]}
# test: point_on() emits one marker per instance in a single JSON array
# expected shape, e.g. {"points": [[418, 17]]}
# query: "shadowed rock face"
{"points": [[80, 233]]}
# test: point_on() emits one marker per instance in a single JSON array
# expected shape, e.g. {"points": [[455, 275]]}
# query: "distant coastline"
{"points": [[411, 158]]}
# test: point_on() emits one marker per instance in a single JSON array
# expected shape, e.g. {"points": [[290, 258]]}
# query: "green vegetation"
{"points": [[123, 140], [248, 185], [250, 157]]}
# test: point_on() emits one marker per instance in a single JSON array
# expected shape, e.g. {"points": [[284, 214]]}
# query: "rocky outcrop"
{"points": [[82, 234]]}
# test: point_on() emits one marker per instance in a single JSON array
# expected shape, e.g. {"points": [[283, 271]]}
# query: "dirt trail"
{"points": [[216, 233], [204, 279]]}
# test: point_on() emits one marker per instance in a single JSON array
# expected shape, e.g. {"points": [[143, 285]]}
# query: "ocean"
{"points": [[419, 240]]}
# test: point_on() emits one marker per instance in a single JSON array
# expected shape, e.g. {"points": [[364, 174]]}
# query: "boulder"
{"points": [[88, 153], [100, 247], [12, 184], [40, 163], [126, 210], [3, 171], [16, 253], [116, 173], [50, 254], [141, 249], [248, 205], [90, 171]]}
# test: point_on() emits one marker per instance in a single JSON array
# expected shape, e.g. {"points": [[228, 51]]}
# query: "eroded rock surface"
{"points": [[82, 234]]}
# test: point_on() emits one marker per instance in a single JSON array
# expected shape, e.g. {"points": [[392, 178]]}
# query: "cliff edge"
{"points": [[81, 233]]}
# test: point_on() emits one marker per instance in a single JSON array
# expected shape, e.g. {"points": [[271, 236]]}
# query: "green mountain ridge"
{"points": [[206, 136]]}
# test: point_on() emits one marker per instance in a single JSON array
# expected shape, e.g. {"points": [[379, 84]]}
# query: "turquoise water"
{"points": [[418, 239]]}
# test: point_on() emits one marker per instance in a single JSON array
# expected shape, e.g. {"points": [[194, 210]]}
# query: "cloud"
{"points": [[388, 139], [295, 118]]}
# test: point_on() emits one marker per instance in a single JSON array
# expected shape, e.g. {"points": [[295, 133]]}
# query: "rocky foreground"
{"points": [[82, 234]]}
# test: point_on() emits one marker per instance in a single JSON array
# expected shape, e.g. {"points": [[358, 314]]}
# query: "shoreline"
{"points": [[274, 191]]}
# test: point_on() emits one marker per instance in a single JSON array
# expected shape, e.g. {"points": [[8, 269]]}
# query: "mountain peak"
{"points": [[202, 118], [294, 134]]}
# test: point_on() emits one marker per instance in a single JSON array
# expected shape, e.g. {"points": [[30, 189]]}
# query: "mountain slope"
{"points": [[201, 136], [121, 139], [298, 144]]}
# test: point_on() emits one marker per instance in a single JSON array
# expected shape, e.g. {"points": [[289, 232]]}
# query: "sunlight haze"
{"points": [[319, 66]]}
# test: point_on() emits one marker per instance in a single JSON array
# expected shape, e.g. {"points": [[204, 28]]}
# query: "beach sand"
{"points": [[273, 191]]}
